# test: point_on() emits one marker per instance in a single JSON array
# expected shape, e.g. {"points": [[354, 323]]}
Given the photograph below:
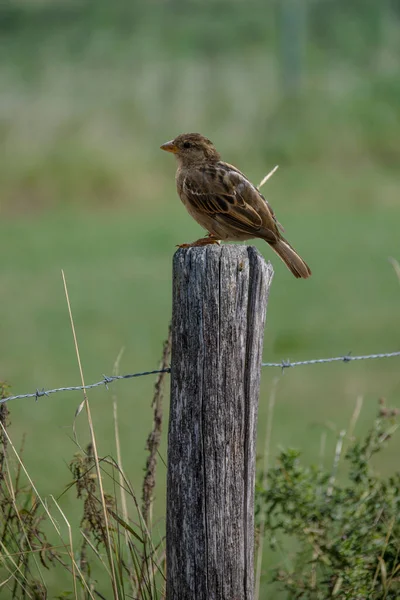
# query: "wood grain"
{"points": [[220, 298]]}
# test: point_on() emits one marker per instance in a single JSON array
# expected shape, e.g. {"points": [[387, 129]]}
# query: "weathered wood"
{"points": [[220, 297]]}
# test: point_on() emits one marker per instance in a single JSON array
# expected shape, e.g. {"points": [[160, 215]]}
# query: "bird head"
{"points": [[192, 148]]}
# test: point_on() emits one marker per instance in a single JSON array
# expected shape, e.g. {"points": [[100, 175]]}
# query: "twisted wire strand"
{"points": [[284, 364]]}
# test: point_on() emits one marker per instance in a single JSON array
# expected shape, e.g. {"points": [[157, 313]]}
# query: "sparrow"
{"points": [[224, 202]]}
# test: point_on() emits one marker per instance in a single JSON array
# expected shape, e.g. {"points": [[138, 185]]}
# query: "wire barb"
{"points": [[284, 364], [39, 393], [107, 380]]}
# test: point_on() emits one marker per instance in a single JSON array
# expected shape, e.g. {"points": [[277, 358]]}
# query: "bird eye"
{"points": [[187, 145]]}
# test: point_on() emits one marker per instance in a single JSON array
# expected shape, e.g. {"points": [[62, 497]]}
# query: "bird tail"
{"points": [[292, 260]]}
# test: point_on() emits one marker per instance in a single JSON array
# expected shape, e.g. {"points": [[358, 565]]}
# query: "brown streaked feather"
{"points": [[241, 226], [230, 199], [233, 168]]}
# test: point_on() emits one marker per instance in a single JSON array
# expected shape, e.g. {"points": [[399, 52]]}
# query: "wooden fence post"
{"points": [[220, 298]]}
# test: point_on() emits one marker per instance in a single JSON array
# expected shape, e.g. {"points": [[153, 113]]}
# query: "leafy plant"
{"points": [[347, 531]]}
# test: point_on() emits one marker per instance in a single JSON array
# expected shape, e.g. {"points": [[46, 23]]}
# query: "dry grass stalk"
{"points": [[153, 441], [4, 419], [396, 266], [74, 566], [148, 568], [23, 543], [265, 179], [117, 441], [95, 453], [122, 489]]}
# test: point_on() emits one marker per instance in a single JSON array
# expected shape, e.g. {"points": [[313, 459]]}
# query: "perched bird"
{"points": [[223, 201]]}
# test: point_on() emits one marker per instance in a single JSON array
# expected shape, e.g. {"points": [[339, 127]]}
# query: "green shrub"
{"points": [[347, 532]]}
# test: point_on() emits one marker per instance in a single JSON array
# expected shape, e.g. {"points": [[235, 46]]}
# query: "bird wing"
{"points": [[224, 193]]}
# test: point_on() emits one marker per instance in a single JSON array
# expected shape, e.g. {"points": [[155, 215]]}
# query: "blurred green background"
{"points": [[89, 91]]}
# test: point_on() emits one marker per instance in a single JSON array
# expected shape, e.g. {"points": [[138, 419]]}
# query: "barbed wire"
{"points": [[284, 364], [76, 388]]}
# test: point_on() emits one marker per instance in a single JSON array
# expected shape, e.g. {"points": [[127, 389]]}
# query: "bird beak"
{"points": [[170, 147]]}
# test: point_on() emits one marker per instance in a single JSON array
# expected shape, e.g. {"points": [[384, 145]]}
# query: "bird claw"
{"points": [[201, 242]]}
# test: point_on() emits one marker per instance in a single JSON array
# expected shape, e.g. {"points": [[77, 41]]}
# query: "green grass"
{"points": [[118, 269], [84, 187]]}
